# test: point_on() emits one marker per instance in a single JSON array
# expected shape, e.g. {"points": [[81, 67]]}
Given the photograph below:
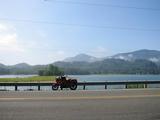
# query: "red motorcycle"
{"points": [[64, 82]]}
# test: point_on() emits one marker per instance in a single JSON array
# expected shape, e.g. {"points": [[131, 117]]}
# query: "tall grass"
{"points": [[30, 79]]}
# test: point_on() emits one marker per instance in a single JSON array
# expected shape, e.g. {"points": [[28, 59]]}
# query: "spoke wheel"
{"points": [[55, 87], [73, 87]]}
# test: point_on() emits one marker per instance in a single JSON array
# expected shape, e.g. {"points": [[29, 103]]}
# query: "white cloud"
{"points": [[9, 40], [2, 28], [30, 49], [121, 57], [154, 59], [6, 28]]}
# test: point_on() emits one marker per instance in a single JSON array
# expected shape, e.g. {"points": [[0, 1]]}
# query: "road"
{"points": [[80, 105]]}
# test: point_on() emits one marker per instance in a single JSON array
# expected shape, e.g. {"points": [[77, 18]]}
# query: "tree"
{"points": [[50, 71]]}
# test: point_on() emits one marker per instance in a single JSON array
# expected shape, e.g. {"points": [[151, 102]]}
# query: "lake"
{"points": [[16, 76], [104, 78], [92, 78]]}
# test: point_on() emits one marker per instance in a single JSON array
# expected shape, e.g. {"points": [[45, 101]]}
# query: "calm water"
{"points": [[16, 76], [91, 78], [115, 77]]}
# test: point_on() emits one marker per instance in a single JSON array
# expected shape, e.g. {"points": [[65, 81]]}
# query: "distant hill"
{"points": [[110, 66], [21, 68], [137, 62], [3, 69], [22, 65], [81, 58], [2, 65], [151, 55]]}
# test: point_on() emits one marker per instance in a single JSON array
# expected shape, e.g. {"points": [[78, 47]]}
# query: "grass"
{"points": [[130, 86], [30, 79]]}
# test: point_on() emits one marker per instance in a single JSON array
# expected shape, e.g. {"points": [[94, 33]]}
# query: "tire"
{"points": [[55, 87], [61, 87], [73, 86]]}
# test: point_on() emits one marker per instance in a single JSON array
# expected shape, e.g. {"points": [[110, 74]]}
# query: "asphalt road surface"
{"points": [[80, 105]]}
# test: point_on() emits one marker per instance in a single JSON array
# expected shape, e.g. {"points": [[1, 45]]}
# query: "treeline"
{"points": [[107, 66], [23, 68]]}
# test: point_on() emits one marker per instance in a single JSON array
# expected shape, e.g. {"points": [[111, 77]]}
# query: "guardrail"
{"points": [[84, 84], [126, 83]]}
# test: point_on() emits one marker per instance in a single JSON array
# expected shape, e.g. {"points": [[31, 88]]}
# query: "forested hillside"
{"points": [[110, 66]]}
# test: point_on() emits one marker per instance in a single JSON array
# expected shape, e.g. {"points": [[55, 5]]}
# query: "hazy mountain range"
{"points": [[151, 55], [82, 58], [137, 62]]}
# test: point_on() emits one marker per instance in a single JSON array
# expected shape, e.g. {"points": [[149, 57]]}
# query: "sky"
{"points": [[45, 31]]}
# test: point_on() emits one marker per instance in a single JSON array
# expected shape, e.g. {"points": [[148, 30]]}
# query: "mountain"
{"points": [[144, 54], [137, 62], [22, 65], [109, 66], [2, 65], [81, 58], [151, 55], [3, 69]]}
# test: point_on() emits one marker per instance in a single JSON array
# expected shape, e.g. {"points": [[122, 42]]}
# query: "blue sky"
{"points": [[75, 26]]}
